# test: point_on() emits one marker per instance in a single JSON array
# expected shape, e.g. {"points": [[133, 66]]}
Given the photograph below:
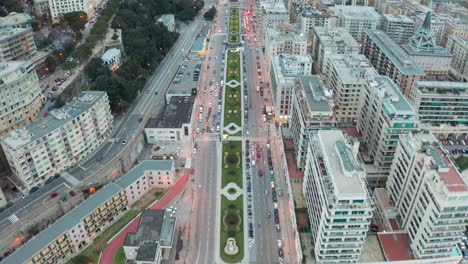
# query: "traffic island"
{"points": [[234, 26], [233, 95]]}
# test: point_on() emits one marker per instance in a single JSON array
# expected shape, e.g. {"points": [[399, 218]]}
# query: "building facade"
{"points": [[348, 77], [59, 7], [384, 116], [338, 203], [383, 6], [112, 58], [357, 19], [430, 196], [458, 47], [312, 17], [58, 140], [16, 44], [311, 110], [71, 233], [272, 13], [20, 94], [391, 60], [399, 28]]}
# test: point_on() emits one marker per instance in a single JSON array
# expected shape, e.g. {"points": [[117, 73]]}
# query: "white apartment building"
{"points": [[348, 77], [399, 28], [336, 194], [357, 19], [384, 115], [430, 196], [20, 95], [458, 47], [442, 107], [326, 42], [16, 44], [285, 70], [41, 8], [60, 7], [311, 17], [112, 58], [311, 110], [58, 140], [272, 13]]}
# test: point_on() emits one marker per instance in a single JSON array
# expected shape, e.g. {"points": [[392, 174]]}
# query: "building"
{"points": [[348, 76], [326, 42], [433, 59], [58, 140], [391, 60], [272, 13], [311, 110], [16, 44], [20, 94], [338, 203], [383, 6], [458, 47], [168, 20], [399, 28], [41, 8], [384, 115], [173, 126], [59, 7], [78, 228], [200, 46], [112, 58], [352, 2], [442, 107], [16, 20], [155, 233], [312, 17], [437, 25], [285, 69], [454, 27], [356, 19], [429, 195]]}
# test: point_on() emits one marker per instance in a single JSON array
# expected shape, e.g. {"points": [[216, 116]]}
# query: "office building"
{"points": [[348, 76], [59, 139], [272, 13], [399, 28], [338, 203], [326, 42], [168, 20], [77, 229], [16, 44], [430, 196], [59, 7], [433, 59], [458, 47], [383, 6], [442, 106], [311, 17], [285, 70], [384, 115], [311, 110], [356, 19], [389, 59], [20, 94]]}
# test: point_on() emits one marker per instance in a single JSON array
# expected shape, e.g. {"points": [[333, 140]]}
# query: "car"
{"points": [[53, 195], [72, 193], [33, 189], [124, 142], [278, 228], [140, 119], [260, 173], [117, 140], [266, 192], [268, 215], [259, 154], [198, 130], [280, 252]]}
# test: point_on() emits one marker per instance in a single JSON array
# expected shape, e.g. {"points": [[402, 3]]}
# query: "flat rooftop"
{"points": [[110, 54], [352, 69], [6, 33], [343, 167], [13, 19], [315, 13], [442, 88], [395, 53], [149, 228], [394, 102], [395, 246], [436, 51], [183, 81], [316, 98], [273, 7], [294, 65], [336, 37], [284, 33], [357, 12], [176, 113], [11, 71], [397, 18]]}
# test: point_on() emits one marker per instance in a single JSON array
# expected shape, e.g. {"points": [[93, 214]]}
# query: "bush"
{"points": [[231, 233], [232, 158]]}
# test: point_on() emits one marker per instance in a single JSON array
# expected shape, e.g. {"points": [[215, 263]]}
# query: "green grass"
{"points": [[232, 172], [120, 256], [234, 26], [238, 229], [233, 95]]}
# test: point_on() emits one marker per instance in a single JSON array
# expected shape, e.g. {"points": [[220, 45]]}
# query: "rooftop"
{"points": [[395, 246], [435, 51], [336, 37], [147, 251], [149, 228], [183, 81], [316, 98], [316, 13], [166, 18], [442, 88], [397, 18], [393, 100], [11, 71], [137, 171], [200, 41], [52, 120], [395, 53], [176, 113], [273, 7], [110, 54], [14, 19], [352, 69], [8, 32], [357, 12], [294, 65], [285, 33], [344, 169]]}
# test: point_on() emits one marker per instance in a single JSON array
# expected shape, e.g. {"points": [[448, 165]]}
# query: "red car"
{"points": [[259, 154], [260, 173], [53, 195]]}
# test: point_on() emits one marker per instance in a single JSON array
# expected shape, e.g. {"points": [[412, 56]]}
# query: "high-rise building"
{"points": [[348, 76], [59, 7], [389, 59], [16, 44], [285, 70], [59, 139], [20, 95], [311, 110], [442, 107], [311, 18], [384, 115], [356, 19], [458, 47], [399, 28], [454, 27], [326, 42], [272, 13], [382, 6], [336, 194], [16, 20], [430, 196]]}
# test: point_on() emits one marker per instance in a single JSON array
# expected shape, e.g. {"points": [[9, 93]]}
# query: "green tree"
{"points": [[210, 14], [82, 52], [59, 102], [76, 20], [68, 65], [51, 63], [95, 68]]}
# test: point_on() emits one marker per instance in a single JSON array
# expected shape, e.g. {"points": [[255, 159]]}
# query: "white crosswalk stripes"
{"points": [[13, 218], [251, 242]]}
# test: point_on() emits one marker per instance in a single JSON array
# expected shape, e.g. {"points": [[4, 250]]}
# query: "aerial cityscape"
{"points": [[233, 131]]}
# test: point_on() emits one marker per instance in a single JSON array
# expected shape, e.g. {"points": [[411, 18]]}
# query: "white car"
{"points": [[198, 130]]}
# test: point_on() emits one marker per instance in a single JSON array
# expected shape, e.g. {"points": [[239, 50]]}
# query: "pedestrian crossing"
{"points": [[13, 218], [251, 242]]}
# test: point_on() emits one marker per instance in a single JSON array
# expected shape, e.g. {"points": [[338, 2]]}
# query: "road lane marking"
{"points": [[13, 218]]}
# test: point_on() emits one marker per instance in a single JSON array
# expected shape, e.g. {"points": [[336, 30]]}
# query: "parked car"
{"points": [[53, 195]]}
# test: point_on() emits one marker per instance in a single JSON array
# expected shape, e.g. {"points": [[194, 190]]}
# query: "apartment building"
{"points": [[59, 139], [348, 76], [442, 107], [389, 59], [312, 17], [77, 229], [399, 28], [16, 20], [338, 203], [384, 116], [454, 26], [285, 70], [16, 44], [41, 8], [311, 110], [59, 7], [356, 19], [20, 94], [458, 47], [272, 13], [326, 42], [430, 196], [383, 6]]}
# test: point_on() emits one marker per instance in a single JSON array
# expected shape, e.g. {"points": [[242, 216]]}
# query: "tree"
{"points": [[68, 65], [76, 20], [50, 63], [210, 14], [82, 52], [59, 102], [95, 68]]}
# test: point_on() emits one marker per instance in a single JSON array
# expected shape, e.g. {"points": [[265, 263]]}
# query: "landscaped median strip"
{"points": [[232, 97], [234, 26]]}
